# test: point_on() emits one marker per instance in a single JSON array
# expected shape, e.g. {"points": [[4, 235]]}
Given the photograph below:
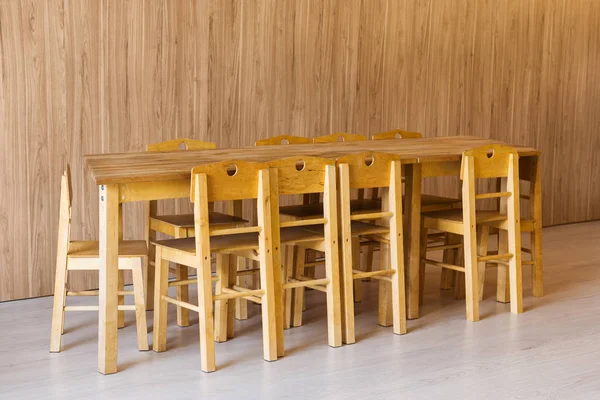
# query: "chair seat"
{"points": [[187, 220], [360, 228], [301, 211], [246, 241], [435, 203], [437, 219], [91, 249]]}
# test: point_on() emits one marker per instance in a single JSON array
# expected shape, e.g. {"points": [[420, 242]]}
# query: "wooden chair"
{"points": [[397, 134], [283, 139], [179, 226], [493, 161], [339, 137], [84, 256], [531, 224], [297, 176], [428, 203], [366, 171], [233, 180]]}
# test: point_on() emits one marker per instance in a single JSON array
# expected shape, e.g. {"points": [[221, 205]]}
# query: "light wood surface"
{"points": [[558, 334], [126, 168], [94, 76]]}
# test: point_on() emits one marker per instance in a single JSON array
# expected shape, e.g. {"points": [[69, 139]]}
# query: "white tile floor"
{"points": [[552, 351]]}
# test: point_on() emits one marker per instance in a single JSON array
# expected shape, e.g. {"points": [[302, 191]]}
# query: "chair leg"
{"points": [[356, 264], [183, 314], [502, 285], [448, 275], [423, 252], [140, 307], [58, 309], [459, 281], [367, 263], [221, 313], [241, 305], [482, 248], [348, 256], [161, 288], [298, 298], [384, 309], [206, 319], [398, 287], [471, 274], [232, 305], [121, 301], [288, 269]]}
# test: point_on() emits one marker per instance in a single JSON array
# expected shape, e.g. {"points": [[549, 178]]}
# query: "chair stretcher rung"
{"points": [[444, 265], [526, 250], [180, 303], [493, 195], [362, 274], [444, 247], [234, 231], [184, 282], [240, 289], [234, 294], [528, 262], [495, 257], [306, 282], [370, 216], [246, 272], [303, 222]]}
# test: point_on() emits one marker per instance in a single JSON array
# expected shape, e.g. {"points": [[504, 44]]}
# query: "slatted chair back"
{"points": [[181, 144], [227, 180], [364, 171], [301, 175], [368, 170], [339, 137], [283, 140], [66, 196], [397, 134]]}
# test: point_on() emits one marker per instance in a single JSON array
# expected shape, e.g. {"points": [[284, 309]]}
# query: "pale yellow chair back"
{"points": [[282, 140], [181, 144], [228, 180], [64, 221], [364, 171], [339, 137], [397, 134]]}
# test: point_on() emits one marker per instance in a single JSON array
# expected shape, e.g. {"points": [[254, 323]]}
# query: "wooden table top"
{"points": [[115, 168]]}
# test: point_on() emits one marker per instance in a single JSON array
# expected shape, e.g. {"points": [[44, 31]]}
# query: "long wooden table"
{"points": [[145, 176]]}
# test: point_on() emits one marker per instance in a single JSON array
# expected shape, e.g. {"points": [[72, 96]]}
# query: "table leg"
{"points": [[412, 226], [151, 211], [109, 278]]}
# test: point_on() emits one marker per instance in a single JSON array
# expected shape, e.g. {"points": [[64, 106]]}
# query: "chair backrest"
{"points": [[302, 175], [299, 175], [228, 180], [283, 139], [368, 170], [491, 161], [396, 134], [64, 219], [233, 180], [339, 137], [181, 144]]}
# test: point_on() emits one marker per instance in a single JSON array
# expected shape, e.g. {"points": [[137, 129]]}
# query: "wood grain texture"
{"points": [[89, 76]]}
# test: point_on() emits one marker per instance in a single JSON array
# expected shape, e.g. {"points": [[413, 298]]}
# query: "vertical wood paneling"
{"points": [[89, 76]]}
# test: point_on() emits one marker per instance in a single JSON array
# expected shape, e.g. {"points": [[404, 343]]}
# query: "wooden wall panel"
{"points": [[90, 76]]}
